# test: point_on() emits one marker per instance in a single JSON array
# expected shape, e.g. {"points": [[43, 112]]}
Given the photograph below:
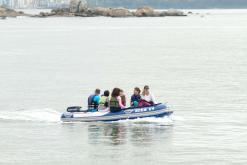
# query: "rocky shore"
{"points": [[110, 12], [78, 9], [6, 12]]}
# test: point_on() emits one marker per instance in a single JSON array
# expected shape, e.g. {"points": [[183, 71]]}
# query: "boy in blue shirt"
{"points": [[136, 97], [93, 100]]}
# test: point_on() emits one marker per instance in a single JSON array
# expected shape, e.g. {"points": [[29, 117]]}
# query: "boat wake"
{"points": [[40, 115], [51, 115]]}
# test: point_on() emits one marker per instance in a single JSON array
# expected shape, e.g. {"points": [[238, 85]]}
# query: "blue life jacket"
{"points": [[91, 103]]}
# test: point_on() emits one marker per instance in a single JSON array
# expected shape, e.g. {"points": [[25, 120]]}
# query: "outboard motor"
{"points": [[74, 109]]}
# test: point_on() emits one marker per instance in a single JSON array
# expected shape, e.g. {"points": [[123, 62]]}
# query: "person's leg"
{"points": [[113, 110]]}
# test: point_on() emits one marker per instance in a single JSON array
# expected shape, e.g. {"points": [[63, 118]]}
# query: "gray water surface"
{"points": [[196, 64]]}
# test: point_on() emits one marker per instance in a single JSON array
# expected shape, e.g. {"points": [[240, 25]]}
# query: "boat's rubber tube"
{"points": [[158, 110]]}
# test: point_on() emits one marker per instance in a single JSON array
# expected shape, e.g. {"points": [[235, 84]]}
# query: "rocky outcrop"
{"points": [[79, 8], [145, 11], [120, 12], [150, 12], [173, 12], [108, 12], [100, 11], [6, 12], [60, 11], [46, 14], [190, 12]]}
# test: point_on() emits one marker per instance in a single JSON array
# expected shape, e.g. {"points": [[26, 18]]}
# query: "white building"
{"points": [[37, 3], [3, 2]]}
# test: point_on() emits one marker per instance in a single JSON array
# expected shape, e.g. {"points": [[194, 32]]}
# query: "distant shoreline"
{"points": [[80, 10], [149, 12]]}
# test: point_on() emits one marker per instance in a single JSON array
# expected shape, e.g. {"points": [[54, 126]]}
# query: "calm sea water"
{"points": [[198, 64]]}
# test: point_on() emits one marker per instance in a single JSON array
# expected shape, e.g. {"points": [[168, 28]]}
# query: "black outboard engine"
{"points": [[74, 109]]}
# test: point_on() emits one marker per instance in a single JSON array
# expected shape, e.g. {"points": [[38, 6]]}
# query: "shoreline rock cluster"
{"points": [[6, 12], [78, 10], [111, 12]]}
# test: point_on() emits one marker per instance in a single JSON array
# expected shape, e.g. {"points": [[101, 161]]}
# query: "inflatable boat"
{"points": [[76, 114]]}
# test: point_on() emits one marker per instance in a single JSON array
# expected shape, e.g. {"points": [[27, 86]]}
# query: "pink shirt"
{"points": [[120, 102]]}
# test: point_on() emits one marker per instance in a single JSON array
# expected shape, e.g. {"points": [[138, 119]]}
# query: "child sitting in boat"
{"points": [[147, 98], [104, 101], [93, 100], [116, 101], [136, 97]]}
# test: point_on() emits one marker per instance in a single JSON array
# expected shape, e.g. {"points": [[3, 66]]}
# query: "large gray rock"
{"points": [[101, 11], [145, 11], [46, 14], [60, 10], [6, 12], [120, 12]]}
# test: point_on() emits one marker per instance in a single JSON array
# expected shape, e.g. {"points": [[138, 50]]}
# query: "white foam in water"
{"points": [[163, 120], [177, 118], [41, 115]]}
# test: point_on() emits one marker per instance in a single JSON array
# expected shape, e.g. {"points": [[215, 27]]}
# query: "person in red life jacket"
{"points": [[93, 100]]}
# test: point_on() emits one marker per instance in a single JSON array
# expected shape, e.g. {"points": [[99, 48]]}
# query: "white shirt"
{"points": [[148, 98]]}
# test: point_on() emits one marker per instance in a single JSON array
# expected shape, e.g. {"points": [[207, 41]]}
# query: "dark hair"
{"points": [[115, 92], [146, 87], [97, 91], [106, 93], [137, 89]]}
